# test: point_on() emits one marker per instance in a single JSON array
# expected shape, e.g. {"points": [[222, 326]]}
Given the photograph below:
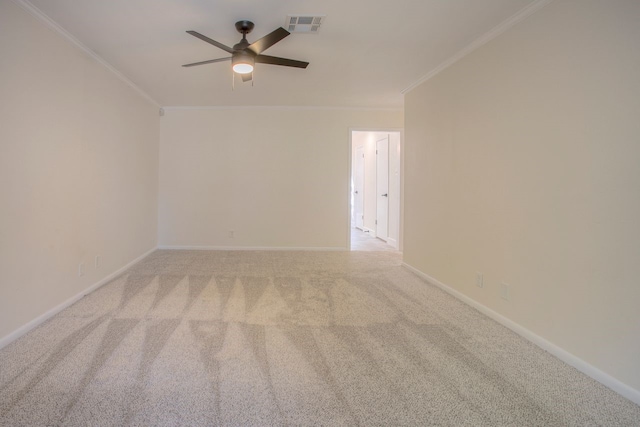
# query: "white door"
{"points": [[394, 189], [382, 185], [358, 188]]}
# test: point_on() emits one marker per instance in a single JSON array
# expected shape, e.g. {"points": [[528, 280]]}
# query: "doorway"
{"points": [[375, 193]]}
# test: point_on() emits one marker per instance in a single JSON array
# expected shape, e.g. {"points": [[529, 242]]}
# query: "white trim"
{"points": [[37, 13], [570, 359], [276, 107], [247, 248], [350, 221], [49, 314], [485, 38], [376, 130]]}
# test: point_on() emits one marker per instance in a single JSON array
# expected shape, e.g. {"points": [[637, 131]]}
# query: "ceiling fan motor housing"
{"points": [[244, 27]]}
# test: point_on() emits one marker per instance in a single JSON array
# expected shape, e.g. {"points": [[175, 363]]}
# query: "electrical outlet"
{"points": [[504, 291], [81, 269], [232, 234], [98, 261], [479, 280]]}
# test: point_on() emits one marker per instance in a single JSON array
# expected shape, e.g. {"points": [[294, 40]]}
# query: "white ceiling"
{"points": [[366, 54]]}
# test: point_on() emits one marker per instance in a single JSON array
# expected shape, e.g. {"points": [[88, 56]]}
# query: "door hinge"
{"points": [[376, 222], [376, 151]]}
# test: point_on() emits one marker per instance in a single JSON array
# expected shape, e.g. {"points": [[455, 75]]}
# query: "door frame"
{"points": [[350, 174]]}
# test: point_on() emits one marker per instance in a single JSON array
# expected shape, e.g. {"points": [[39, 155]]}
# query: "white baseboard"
{"points": [[570, 359], [249, 248], [49, 314]]}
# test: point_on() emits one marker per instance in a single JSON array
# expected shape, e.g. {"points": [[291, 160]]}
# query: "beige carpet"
{"points": [[287, 338]]}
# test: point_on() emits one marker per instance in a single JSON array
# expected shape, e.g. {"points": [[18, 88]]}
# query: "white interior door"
{"points": [[358, 188], [394, 190], [382, 186]]}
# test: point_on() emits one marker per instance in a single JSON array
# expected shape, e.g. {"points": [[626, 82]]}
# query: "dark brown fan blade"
{"points": [[211, 61], [210, 41], [274, 60], [247, 77], [269, 40]]}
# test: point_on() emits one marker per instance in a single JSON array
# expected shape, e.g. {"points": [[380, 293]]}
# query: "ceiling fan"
{"points": [[244, 55]]}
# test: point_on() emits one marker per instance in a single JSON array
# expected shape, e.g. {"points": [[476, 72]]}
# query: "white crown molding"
{"points": [[4, 341], [276, 107], [248, 248], [485, 38], [568, 358], [37, 13]]}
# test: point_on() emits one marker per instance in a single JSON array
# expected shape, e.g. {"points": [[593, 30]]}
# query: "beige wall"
{"points": [[278, 177], [523, 163], [78, 170]]}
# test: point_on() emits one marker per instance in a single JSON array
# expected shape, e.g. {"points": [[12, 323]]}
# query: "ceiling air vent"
{"points": [[304, 24]]}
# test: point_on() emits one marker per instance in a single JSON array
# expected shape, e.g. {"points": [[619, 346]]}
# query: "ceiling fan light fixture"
{"points": [[243, 62], [243, 68]]}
